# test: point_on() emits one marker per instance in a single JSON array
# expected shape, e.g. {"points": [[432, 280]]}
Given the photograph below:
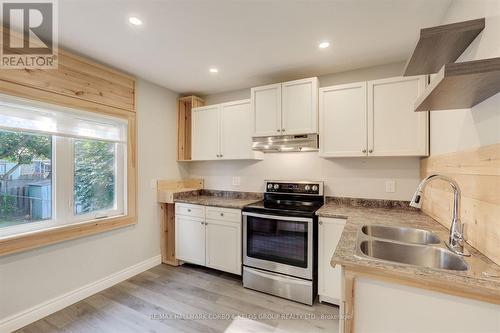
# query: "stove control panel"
{"points": [[303, 187]]}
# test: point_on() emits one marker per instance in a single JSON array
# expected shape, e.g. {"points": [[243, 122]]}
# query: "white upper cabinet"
{"points": [[343, 120], [266, 104], [205, 132], [223, 131], [236, 130], [374, 118], [299, 106], [395, 129], [286, 108]]}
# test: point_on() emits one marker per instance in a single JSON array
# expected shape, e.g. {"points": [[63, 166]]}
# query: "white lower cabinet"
{"points": [[223, 246], [383, 306], [190, 239], [212, 239], [329, 278]]}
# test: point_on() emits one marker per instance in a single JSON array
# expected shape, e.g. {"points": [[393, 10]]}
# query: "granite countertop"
{"points": [[224, 199], [474, 279]]}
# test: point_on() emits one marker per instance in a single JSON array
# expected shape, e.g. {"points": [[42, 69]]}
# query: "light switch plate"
{"points": [[152, 184], [390, 185], [236, 181]]}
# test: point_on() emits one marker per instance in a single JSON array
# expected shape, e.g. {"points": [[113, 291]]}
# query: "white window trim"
{"points": [[63, 212]]}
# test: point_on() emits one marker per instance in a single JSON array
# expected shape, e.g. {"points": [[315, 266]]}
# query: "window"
{"points": [[94, 175], [25, 188], [59, 166]]}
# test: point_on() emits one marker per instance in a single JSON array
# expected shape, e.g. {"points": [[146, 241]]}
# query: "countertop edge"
{"points": [[472, 287]]}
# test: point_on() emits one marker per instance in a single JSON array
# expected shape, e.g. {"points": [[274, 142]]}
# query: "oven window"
{"points": [[277, 240]]}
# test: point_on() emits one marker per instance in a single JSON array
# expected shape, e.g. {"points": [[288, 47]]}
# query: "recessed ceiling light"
{"points": [[213, 70], [323, 45], [134, 20]]}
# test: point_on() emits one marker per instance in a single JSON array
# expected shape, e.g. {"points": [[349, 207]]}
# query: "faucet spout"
{"points": [[456, 240]]}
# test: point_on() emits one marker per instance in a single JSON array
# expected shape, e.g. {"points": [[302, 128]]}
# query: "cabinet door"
{"points": [[236, 130], [205, 133], [342, 119], [223, 246], [394, 128], [190, 239], [300, 106], [329, 278], [266, 107]]}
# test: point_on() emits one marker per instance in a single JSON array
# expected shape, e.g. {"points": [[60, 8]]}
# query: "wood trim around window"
{"points": [[38, 92]]}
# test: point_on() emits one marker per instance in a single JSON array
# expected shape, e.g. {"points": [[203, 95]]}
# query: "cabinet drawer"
{"points": [[189, 210], [223, 214]]}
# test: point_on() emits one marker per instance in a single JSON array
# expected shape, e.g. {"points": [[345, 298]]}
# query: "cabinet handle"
{"points": [[189, 210], [364, 151], [202, 223], [370, 151], [278, 130], [282, 129], [320, 223], [221, 214]]}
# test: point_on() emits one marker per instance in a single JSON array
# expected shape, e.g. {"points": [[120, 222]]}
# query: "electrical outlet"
{"points": [[236, 181], [390, 185]]}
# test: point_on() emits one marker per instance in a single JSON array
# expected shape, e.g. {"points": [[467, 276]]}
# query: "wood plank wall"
{"points": [[81, 84], [477, 172], [77, 83]]}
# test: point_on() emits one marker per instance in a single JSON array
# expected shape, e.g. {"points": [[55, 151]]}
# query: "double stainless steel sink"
{"points": [[408, 246]]}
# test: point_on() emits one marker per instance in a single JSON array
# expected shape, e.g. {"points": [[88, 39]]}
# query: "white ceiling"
{"points": [[251, 42]]}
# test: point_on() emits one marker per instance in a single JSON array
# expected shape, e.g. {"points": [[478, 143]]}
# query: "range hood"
{"points": [[286, 143]]}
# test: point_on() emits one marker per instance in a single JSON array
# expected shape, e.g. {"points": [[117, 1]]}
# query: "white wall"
{"points": [[349, 177], [32, 277], [456, 130], [369, 73]]}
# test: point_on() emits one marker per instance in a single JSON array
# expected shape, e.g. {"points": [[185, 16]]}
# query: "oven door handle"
{"points": [[279, 217]]}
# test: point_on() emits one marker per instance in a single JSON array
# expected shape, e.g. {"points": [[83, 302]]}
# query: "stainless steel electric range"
{"points": [[280, 243]]}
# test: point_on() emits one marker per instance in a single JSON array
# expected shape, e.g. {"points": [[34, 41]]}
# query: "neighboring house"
{"points": [[5, 166], [37, 169]]}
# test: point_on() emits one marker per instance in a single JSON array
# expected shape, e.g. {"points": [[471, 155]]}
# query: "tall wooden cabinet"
{"points": [[374, 118], [288, 108], [184, 106]]}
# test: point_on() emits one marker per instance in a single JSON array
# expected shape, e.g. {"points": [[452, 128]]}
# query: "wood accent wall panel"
{"points": [[77, 78], [477, 172]]}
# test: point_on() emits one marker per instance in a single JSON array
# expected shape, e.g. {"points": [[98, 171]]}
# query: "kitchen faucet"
{"points": [[457, 239]]}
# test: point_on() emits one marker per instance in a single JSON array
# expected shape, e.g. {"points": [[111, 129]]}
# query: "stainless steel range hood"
{"points": [[286, 143]]}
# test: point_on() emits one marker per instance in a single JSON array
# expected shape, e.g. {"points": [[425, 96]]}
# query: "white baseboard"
{"points": [[44, 309]]}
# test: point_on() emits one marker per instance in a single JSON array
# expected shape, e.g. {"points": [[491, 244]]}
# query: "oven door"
{"points": [[281, 244]]}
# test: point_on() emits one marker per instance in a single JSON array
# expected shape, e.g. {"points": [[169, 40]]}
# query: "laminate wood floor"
{"points": [[186, 299]]}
